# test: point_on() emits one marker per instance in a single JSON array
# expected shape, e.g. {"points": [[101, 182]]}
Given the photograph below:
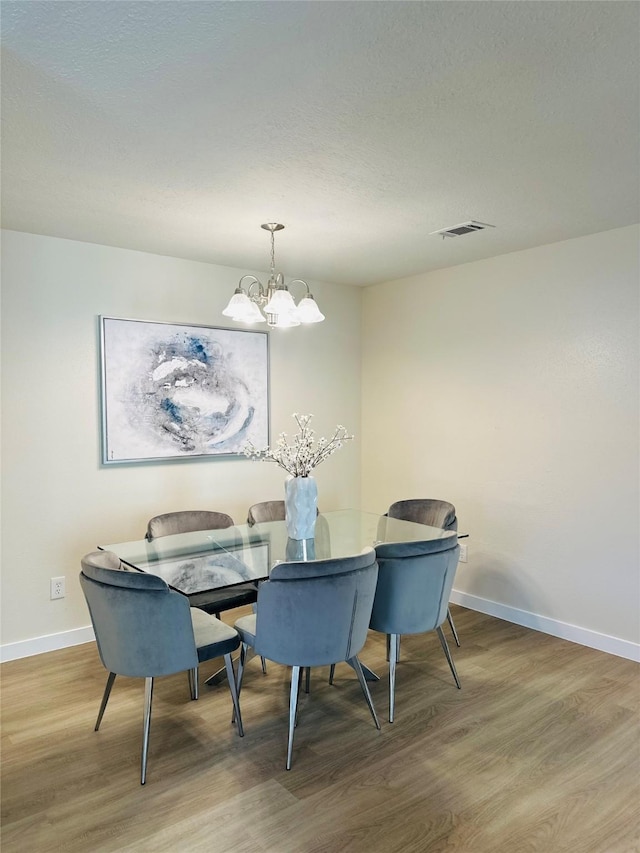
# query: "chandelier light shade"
{"points": [[254, 303]]}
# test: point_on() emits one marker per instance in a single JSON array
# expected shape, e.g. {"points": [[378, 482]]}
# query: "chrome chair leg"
{"points": [[193, 682], [394, 657], [233, 688], [293, 709], [105, 698], [355, 663], [148, 696], [445, 647], [242, 660], [302, 670], [453, 627]]}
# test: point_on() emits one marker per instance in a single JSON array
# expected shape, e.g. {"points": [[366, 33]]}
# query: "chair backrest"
{"points": [[426, 511], [265, 511], [186, 521], [316, 613], [142, 627], [414, 585]]}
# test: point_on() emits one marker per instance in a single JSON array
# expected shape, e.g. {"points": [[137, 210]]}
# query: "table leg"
{"points": [[369, 674], [220, 676]]}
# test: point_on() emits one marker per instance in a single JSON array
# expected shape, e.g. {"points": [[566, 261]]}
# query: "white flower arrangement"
{"points": [[304, 454]]}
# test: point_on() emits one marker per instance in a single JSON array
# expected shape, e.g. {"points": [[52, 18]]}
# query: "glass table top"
{"points": [[214, 559]]}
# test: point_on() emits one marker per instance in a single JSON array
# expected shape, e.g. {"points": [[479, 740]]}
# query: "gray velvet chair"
{"points": [[213, 601], [144, 629], [312, 614], [266, 511], [186, 521], [435, 513], [414, 583], [429, 511]]}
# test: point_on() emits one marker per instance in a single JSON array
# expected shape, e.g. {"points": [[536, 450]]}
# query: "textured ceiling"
{"points": [[179, 127]]}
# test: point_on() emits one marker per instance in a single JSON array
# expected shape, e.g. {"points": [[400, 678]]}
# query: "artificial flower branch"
{"points": [[300, 458]]}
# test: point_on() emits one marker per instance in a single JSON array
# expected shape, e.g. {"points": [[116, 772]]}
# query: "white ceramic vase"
{"points": [[300, 506]]}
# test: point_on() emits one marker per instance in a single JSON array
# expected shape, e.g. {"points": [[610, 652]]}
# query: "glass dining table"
{"points": [[197, 562], [194, 563]]}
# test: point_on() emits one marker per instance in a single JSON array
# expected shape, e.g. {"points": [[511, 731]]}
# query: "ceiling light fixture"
{"points": [[273, 302]]}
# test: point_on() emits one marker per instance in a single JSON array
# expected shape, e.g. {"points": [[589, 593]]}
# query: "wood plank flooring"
{"points": [[538, 753]]}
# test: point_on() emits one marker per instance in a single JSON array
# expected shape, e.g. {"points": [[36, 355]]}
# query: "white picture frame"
{"points": [[178, 391]]}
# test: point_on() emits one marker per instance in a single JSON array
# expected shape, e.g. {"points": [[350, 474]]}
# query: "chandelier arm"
{"points": [[254, 281], [301, 281]]}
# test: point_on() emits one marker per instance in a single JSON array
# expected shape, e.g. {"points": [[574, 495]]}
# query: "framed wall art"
{"points": [[174, 391]]}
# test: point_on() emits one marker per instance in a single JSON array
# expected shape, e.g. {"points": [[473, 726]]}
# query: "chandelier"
{"points": [[273, 303]]}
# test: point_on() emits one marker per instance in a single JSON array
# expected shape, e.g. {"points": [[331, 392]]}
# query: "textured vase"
{"points": [[300, 506]]}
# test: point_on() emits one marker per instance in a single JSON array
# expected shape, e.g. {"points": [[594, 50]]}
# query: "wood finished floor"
{"points": [[539, 751]]}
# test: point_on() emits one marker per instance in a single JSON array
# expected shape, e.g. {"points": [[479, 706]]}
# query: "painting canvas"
{"points": [[171, 391]]}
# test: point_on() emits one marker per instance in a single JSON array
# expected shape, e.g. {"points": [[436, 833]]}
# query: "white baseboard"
{"points": [[582, 636], [48, 643]]}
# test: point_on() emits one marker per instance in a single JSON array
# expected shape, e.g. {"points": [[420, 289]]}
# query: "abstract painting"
{"points": [[173, 391]]}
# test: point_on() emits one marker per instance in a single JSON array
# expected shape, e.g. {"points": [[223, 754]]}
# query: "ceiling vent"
{"points": [[463, 228]]}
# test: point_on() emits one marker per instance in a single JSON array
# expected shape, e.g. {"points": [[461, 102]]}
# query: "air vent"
{"points": [[463, 228]]}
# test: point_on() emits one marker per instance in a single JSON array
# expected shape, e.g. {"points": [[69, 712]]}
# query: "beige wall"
{"points": [[57, 501], [510, 387]]}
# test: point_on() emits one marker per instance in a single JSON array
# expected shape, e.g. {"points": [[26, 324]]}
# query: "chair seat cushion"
{"points": [[246, 627], [213, 637]]}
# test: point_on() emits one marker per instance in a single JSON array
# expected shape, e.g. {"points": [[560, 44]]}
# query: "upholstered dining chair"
{"points": [[213, 601], [414, 583], [186, 521], [144, 629], [429, 511], [312, 614], [435, 513], [266, 511]]}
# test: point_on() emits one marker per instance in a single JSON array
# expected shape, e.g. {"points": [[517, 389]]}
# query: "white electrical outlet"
{"points": [[463, 552], [57, 588]]}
